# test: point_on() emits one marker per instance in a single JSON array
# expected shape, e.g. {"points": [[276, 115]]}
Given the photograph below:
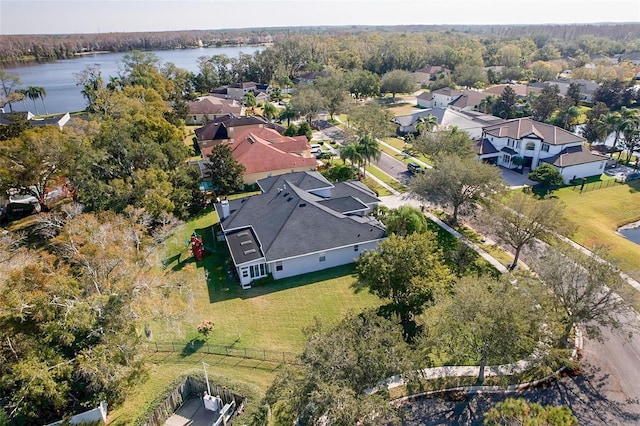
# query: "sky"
{"points": [[102, 16]]}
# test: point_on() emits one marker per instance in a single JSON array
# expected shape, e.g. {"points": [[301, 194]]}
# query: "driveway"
{"points": [[515, 179]]}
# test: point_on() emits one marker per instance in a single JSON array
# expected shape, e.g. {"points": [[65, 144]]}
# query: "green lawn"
{"points": [[165, 368], [269, 316], [387, 179], [599, 213]]}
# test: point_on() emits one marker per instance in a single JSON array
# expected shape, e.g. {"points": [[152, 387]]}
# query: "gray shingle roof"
{"points": [[289, 221], [344, 204]]}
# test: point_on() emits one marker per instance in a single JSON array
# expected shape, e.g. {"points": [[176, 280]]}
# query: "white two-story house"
{"points": [[525, 143]]}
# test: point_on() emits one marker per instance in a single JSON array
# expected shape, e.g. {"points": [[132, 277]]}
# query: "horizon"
{"points": [[69, 17]]}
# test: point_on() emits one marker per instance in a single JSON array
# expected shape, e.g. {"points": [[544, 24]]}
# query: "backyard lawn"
{"points": [[269, 316], [599, 213]]}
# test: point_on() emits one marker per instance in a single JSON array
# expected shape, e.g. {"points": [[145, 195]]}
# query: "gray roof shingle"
{"points": [[288, 221]]}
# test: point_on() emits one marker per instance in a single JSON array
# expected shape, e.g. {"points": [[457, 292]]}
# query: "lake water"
{"points": [[632, 234], [58, 78]]}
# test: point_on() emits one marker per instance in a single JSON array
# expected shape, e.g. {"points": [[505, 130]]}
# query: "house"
{"points": [[447, 97], [526, 143], [521, 90], [472, 122], [633, 57], [210, 107], [222, 129], [430, 73], [438, 98], [310, 77], [300, 223], [264, 152], [468, 100], [587, 87], [238, 91], [59, 120], [407, 123]]}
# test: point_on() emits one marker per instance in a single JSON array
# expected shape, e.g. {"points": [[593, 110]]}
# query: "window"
{"points": [[356, 247], [245, 272], [322, 258], [518, 144], [530, 146], [278, 266], [262, 270], [545, 147]]}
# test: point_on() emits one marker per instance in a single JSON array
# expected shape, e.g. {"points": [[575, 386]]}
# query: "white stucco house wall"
{"points": [[536, 143], [300, 223], [439, 98]]}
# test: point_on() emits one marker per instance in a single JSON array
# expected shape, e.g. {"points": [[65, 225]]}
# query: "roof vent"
{"points": [[243, 234], [250, 251], [245, 242], [303, 205], [289, 199], [285, 194]]}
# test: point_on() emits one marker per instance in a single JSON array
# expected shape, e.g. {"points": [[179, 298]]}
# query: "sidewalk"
{"points": [[395, 201]]}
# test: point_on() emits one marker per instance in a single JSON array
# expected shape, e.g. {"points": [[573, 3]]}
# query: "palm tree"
{"points": [[369, 148], [608, 123], [568, 117], [405, 220], [288, 113], [43, 94], [33, 93], [350, 152], [426, 123]]}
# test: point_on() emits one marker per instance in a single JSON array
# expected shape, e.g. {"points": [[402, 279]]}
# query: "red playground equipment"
{"points": [[197, 247]]}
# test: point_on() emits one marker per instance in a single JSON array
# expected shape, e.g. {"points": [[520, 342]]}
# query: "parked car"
{"points": [[414, 168]]}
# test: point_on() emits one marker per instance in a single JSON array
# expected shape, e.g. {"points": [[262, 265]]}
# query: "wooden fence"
{"points": [[190, 387]]}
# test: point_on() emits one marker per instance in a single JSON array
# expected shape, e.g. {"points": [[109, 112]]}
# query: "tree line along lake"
{"points": [[59, 81]]}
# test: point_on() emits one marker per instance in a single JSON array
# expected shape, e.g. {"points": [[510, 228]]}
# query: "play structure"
{"points": [[197, 246]]}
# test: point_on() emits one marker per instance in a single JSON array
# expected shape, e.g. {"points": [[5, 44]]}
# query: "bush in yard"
{"points": [[205, 327]]}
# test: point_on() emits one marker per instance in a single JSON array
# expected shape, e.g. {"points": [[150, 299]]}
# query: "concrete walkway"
{"points": [[395, 201]]}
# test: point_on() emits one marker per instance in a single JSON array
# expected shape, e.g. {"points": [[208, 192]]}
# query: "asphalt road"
{"points": [[607, 392], [393, 167]]}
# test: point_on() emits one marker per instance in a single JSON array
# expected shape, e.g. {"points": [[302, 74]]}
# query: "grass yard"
{"points": [[599, 213], [165, 368], [269, 316], [387, 179], [401, 108]]}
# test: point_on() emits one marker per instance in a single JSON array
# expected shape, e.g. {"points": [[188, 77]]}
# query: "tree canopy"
{"points": [[225, 171], [456, 182], [408, 271]]}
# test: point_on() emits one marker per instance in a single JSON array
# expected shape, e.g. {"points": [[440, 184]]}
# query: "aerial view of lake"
{"points": [[632, 234], [58, 78]]}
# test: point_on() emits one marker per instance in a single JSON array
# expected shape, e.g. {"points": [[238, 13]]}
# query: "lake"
{"points": [[632, 234], [58, 78]]}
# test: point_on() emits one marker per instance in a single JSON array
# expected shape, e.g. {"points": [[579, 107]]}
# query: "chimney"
{"points": [[225, 209]]}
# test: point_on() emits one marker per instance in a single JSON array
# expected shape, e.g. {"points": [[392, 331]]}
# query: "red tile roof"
{"points": [[259, 155]]}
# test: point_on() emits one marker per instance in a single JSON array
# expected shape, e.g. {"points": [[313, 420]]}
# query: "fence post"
{"points": [[173, 349]]}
